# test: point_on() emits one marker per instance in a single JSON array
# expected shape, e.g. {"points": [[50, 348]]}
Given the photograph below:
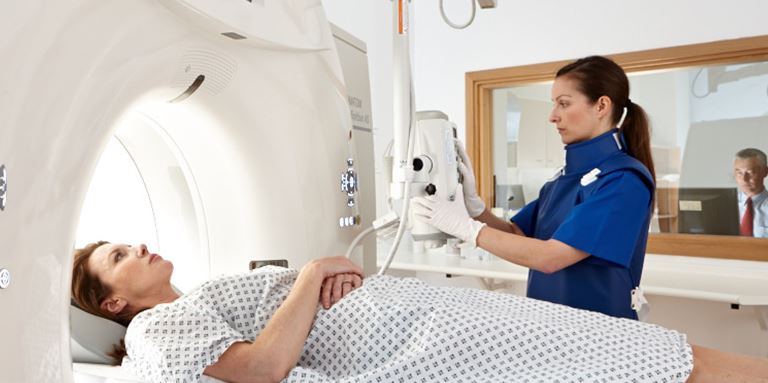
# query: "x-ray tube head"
{"points": [[435, 150]]}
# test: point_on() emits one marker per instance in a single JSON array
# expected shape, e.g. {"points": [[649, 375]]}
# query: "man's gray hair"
{"points": [[748, 153]]}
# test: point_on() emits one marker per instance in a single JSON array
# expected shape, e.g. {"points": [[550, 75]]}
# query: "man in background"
{"points": [[750, 169]]}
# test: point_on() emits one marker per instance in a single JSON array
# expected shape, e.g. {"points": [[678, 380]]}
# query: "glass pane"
{"points": [[527, 148], [700, 118]]}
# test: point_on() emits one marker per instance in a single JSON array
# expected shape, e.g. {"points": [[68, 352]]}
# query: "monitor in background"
{"points": [[708, 211]]}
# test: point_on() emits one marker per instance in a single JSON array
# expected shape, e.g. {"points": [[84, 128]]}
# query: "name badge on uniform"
{"points": [[590, 177]]}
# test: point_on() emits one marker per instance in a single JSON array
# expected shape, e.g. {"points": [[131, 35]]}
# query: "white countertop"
{"points": [[720, 280]]}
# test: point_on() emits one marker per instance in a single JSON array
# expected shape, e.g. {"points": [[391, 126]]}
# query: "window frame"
{"points": [[479, 135]]}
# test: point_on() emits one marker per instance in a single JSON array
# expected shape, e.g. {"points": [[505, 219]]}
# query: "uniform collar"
{"points": [[587, 155]]}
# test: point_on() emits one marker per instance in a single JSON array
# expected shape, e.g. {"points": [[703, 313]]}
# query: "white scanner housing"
{"points": [[235, 113]]}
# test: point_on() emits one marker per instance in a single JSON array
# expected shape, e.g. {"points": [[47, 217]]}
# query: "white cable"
{"points": [[357, 239], [388, 165], [456, 26], [378, 224], [400, 229], [388, 150], [406, 192]]}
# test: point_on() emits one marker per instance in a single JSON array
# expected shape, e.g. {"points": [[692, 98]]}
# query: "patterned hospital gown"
{"points": [[403, 330]]}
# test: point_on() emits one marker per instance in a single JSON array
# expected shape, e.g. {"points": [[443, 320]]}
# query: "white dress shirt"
{"points": [[760, 212]]}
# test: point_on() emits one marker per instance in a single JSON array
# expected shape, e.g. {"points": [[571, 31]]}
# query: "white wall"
{"points": [[657, 93], [518, 33]]}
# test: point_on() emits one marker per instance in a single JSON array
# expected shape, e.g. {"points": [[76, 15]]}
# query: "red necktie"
{"points": [[746, 221]]}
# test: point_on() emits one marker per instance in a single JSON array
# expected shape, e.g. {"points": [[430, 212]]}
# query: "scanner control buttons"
{"points": [[349, 182], [3, 186], [5, 278]]}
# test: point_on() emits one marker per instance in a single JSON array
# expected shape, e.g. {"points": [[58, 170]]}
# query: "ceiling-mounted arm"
{"points": [[402, 93], [483, 4]]}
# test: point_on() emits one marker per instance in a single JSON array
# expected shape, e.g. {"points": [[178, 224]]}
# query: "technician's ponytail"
{"points": [[637, 135]]}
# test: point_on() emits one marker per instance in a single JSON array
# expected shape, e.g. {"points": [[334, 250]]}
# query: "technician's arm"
{"points": [[497, 223], [546, 256], [451, 216], [278, 347]]}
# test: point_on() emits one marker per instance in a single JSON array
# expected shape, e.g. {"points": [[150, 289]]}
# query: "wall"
{"points": [[518, 33]]}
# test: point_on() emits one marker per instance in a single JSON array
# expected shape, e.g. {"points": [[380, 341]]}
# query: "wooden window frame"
{"points": [[479, 137]]}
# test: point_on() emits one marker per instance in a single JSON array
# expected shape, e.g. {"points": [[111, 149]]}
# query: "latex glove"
{"points": [[450, 217], [475, 205]]}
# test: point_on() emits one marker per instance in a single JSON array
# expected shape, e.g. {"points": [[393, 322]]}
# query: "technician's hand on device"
{"points": [[475, 205], [338, 286], [448, 216]]}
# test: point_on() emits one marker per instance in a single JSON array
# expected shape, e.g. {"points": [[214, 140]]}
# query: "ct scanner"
{"points": [[249, 122]]}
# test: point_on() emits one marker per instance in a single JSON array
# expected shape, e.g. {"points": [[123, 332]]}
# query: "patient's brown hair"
{"points": [[88, 292]]}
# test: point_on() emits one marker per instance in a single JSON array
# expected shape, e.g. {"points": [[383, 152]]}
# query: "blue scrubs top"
{"points": [[607, 218]]}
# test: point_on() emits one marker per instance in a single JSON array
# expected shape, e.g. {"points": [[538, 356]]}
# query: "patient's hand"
{"points": [[338, 286]]}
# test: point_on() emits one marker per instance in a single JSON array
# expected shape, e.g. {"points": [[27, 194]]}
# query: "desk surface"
{"points": [[730, 281]]}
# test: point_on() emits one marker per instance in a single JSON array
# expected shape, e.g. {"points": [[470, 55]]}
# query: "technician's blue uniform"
{"points": [[607, 218]]}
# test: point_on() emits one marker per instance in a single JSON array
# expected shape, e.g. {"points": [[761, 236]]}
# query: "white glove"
{"points": [[450, 217], [475, 205]]}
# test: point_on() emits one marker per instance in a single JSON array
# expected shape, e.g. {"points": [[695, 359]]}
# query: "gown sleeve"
{"points": [[177, 345], [609, 223]]}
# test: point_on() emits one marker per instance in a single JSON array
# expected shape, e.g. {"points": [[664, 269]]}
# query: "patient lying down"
{"points": [[277, 324]]}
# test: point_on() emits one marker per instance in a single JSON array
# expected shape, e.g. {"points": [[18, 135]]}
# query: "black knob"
{"points": [[418, 164], [431, 189]]}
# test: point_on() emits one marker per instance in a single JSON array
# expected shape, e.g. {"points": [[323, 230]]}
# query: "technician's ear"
{"points": [[603, 105], [113, 305]]}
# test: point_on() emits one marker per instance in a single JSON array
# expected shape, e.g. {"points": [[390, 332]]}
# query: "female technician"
{"points": [[584, 237]]}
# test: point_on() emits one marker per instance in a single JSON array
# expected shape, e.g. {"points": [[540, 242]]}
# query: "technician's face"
{"points": [[132, 272], [750, 175], [574, 115]]}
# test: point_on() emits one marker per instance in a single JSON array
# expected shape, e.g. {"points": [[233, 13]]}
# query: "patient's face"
{"points": [[131, 271], [750, 175]]}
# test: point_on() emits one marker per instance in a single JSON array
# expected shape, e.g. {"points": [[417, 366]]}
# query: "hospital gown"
{"points": [[403, 330]]}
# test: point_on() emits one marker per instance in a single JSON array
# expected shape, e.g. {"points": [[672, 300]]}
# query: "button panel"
{"points": [[5, 278], [3, 186]]}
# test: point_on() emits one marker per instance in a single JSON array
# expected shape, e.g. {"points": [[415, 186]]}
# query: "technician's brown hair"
{"points": [[88, 292], [598, 76]]}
